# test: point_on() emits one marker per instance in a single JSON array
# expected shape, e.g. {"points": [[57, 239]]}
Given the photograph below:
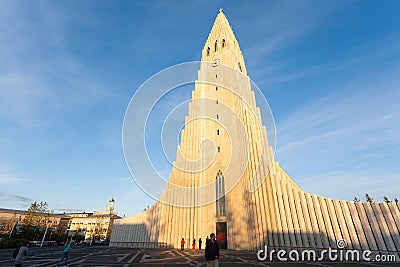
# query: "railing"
{"points": [[138, 244]]}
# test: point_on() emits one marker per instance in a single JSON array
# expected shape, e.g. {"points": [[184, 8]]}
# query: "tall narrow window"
{"points": [[217, 132], [217, 117], [220, 194], [208, 51], [216, 75], [216, 88], [240, 67], [223, 43], [219, 149], [217, 101], [215, 45]]}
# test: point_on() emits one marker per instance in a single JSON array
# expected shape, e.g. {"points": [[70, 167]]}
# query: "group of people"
{"points": [[211, 252], [193, 244], [23, 251]]}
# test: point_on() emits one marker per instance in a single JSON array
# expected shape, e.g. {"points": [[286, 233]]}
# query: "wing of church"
{"points": [[235, 188]]}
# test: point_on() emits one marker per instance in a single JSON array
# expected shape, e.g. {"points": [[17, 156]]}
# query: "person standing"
{"points": [[194, 244], [67, 249], [200, 242], [23, 251], [212, 251], [182, 244]]}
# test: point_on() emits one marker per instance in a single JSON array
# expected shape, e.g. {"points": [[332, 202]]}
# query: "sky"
{"points": [[68, 69]]}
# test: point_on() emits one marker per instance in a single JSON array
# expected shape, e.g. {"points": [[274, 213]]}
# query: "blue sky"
{"points": [[329, 69]]}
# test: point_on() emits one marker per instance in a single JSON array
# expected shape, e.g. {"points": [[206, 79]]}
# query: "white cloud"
{"points": [[11, 180]]}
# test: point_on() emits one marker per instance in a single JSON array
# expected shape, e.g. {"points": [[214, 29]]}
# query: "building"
{"points": [[243, 195], [12, 220], [97, 225]]}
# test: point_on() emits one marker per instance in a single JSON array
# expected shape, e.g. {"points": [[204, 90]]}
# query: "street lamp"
{"points": [[45, 232]]}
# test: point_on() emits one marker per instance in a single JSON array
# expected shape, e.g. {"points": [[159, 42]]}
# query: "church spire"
{"points": [[222, 46]]}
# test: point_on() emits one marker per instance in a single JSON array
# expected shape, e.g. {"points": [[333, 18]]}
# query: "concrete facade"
{"points": [[97, 224], [263, 205]]}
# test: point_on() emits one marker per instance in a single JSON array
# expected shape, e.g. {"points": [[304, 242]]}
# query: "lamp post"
{"points": [[44, 235], [45, 232]]}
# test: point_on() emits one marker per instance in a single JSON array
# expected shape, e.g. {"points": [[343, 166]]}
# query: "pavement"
{"points": [[124, 257]]}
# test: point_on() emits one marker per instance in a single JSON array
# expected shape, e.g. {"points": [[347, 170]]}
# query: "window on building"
{"points": [[223, 43], [208, 51], [240, 67], [220, 194], [216, 75], [215, 45], [219, 149], [217, 132], [217, 117], [216, 88], [217, 101]]}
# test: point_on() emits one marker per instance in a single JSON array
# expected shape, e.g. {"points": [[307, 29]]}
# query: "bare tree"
{"points": [[356, 199]]}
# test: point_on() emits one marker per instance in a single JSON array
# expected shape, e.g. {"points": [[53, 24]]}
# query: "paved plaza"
{"points": [[106, 256]]}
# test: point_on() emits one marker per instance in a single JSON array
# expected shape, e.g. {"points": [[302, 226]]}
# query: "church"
{"points": [[231, 185]]}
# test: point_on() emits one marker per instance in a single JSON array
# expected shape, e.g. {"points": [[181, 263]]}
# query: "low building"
{"points": [[12, 220], [94, 225]]}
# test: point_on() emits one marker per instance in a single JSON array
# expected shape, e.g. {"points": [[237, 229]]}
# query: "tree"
{"points": [[60, 234], [386, 199], [396, 200], [369, 199], [79, 235], [356, 199], [12, 225], [35, 220], [37, 214]]}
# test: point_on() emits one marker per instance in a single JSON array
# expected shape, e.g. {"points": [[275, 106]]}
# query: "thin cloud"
{"points": [[320, 177], [362, 116], [358, 56], [23, 200], [8, 177], [285, 23], [346, 138], [9, 180]]}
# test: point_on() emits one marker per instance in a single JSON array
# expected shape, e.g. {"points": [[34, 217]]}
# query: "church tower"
{"points": [[223, 150], [222, 46], [225, 179]]}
